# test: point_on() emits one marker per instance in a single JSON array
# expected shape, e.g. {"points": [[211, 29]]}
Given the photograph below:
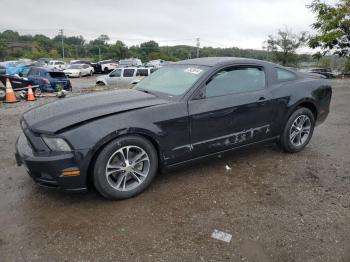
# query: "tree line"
{"points": [[13, 46], [332, 37]]}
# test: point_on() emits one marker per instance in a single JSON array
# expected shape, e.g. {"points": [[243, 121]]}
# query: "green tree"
{"points": [[332, 26], [285, 44]]}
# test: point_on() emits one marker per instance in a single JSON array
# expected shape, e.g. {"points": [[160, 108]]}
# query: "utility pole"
{"points": [[198, 45], [61, 33]]}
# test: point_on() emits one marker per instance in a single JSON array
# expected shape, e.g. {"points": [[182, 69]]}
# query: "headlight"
{"points": [[56, 144]]}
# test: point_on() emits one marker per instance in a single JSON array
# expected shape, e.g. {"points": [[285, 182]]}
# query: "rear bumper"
{"points": [[46, 169]]}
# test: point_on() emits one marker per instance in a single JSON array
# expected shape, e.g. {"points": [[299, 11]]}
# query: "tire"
{"points": [[298, 130], [106, 70], [91, 73], [100, 83], [120, 182], [37, 91]]}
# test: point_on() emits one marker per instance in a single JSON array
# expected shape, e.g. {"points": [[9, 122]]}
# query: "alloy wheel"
{"points": [[127, 168], [300, 130]]}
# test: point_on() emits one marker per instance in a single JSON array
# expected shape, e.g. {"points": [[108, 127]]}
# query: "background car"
{"points": [[49, 80], [79, 70], [57, 64], [157, 63], [135, 62], [125, 75], [104, 66], [74, 62], [327, 72]]}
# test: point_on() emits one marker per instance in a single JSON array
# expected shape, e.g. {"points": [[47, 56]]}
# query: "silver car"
{"points": [[127, 75]]}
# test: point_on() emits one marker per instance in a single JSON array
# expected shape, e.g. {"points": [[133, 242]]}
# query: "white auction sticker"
{"points": [[192, 70], [221, 236]]}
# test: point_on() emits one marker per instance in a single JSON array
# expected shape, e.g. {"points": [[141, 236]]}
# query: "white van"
{"points": [[57, 64], [127, 75]]}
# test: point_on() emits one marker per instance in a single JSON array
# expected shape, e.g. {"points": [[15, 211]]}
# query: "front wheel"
{"points": [[125, 167], [298, 130]]}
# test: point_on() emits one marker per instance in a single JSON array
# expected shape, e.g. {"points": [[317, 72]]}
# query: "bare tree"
{"points": [[285, 44]]}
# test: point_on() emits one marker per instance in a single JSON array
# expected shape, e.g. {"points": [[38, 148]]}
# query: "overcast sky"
{"points": [[219, 23]]}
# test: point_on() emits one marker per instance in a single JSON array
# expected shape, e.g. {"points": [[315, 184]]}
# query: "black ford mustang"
{"points": [[189, 110]]}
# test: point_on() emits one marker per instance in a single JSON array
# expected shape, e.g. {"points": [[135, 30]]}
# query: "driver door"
{"points": [[233, 108], [114, 76]]}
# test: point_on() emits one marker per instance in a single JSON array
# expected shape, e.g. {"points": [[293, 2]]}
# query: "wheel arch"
{"points": [[95, 151], [307, 103]]}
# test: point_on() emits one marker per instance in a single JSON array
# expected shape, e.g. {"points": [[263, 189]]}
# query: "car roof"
{"points": [[218, 61], [46, 69]]}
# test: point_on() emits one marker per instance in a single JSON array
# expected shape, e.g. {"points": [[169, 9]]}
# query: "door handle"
{"points": [[262, 99]]}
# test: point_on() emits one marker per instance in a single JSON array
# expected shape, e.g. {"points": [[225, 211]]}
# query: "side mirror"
{"points": [[200, 95], [135, 81]]}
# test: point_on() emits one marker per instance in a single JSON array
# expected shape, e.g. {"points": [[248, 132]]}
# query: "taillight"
{"points": [[46, 81]]}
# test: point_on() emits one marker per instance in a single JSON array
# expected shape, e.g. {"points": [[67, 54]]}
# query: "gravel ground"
{"points": [[276, 206]]}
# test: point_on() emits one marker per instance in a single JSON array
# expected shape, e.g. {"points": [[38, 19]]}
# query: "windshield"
{"points": [[172, 80]]}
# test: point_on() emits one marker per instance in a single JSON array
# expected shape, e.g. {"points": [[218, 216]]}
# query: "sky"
{"points": [[218, 23]]}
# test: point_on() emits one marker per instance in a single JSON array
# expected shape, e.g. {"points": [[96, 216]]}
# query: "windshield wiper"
{"points": [[147, 91]]}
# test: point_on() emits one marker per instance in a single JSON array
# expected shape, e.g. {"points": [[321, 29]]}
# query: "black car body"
{"points": [[181, 127]]}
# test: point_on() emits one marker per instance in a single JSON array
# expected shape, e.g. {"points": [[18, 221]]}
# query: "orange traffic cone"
{"points": [[30, 95], [10, 96]]}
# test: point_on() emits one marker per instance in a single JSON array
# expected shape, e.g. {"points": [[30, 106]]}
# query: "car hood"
{"points": [[55, 116], [104, 77]]}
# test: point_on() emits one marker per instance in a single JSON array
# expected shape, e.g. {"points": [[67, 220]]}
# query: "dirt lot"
{"points": [[277, 206]]}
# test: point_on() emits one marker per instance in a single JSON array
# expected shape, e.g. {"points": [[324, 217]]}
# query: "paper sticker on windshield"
{"points": [[192, 70]]}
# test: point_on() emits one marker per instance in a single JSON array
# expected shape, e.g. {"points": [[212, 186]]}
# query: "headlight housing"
{"points": [[57, 144]]}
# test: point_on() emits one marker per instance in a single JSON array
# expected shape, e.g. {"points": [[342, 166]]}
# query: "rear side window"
{"points": [[128, 72], [236, 80], [285, 75], [57, 74], [33, 72], [142, 72]]}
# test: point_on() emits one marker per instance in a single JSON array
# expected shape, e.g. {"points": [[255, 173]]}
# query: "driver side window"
{"points": [[235, 80], [116, 73]]}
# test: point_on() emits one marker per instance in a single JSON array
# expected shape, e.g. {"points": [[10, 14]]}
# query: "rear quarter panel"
{"points": [[288, 95]]}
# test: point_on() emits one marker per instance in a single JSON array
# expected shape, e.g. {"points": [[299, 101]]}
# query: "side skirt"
{"points": [[170, 168]]}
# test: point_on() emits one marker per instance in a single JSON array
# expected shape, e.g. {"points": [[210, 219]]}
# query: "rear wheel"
{"points": [[298, 130], [99, 83], [125, 167]]}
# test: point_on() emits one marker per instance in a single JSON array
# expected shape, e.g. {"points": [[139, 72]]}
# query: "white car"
{"points": [[57, 64], [79, 70], [108, 65], [127, 75], [157, 63]]}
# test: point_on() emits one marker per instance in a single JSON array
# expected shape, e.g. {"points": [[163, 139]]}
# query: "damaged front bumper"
{"points": [[47, 168]]}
